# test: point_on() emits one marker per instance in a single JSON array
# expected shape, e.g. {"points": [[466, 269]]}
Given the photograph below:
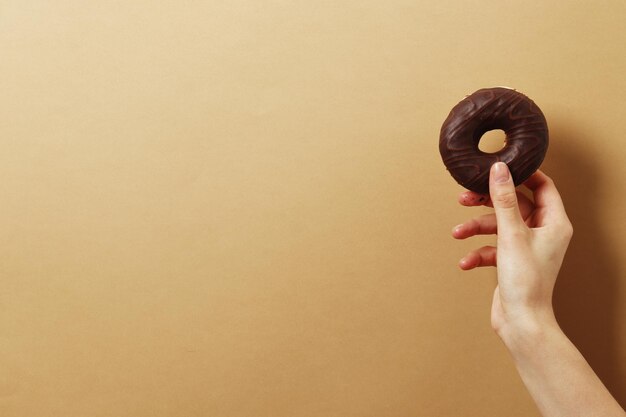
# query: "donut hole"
{"points": [[492, 141]]}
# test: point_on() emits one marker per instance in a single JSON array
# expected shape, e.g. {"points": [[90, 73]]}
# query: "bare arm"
{"points": [[555, 373], [532, 240]]}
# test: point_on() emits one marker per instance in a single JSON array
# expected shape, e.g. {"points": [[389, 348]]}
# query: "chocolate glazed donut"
{"points": [[487, 109]]}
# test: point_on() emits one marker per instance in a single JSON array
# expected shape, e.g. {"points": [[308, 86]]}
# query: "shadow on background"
{"points": [[586, 295]]}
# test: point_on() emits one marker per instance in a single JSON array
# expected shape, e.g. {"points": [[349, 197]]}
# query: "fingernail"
{"points": [[462, 263], [456, 228], [501, 173]]}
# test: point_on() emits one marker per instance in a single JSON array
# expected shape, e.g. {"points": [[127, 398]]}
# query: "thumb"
{"points": [[504, 199]]}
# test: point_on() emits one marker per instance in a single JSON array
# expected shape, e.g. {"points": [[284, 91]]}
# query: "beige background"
{"points": [[237, 208]]}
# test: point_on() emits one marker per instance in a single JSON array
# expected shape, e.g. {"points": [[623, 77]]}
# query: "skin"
{"points": [[532, 238]]}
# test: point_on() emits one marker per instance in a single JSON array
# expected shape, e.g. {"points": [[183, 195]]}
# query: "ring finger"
{"points": [[484, 256]]}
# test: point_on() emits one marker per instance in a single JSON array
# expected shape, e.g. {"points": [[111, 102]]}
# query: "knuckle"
{"points": [[514, 237], [506, 199], [518, 233], [567, 230]]}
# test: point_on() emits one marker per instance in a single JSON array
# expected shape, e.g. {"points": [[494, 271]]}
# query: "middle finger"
{"points": [[485, 224]]}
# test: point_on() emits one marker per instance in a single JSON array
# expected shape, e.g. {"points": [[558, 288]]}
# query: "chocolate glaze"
{"points": [[487, 109]]}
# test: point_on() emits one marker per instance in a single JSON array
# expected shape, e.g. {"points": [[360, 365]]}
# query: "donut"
{"points": [[487, 109]]}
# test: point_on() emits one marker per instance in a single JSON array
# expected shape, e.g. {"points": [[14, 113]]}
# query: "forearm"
{"points": [[555, 373]]}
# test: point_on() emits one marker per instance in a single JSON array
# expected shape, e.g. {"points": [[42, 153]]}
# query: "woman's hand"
{"points": [[533, 236], [531, 243]]}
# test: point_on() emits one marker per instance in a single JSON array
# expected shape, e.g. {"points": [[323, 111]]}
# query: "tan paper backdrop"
{"points": [[237, 208]]}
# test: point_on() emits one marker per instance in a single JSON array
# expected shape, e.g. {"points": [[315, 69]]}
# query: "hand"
{"points": [[532, 238]]}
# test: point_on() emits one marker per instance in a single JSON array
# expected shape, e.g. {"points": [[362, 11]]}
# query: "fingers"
{"points": [[485, 224], [545, 194], [504, 199], [485, 256], [471, 199], [481, 225]]}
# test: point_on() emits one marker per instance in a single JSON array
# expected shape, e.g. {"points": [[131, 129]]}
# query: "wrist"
{"points": [[526, 330]]}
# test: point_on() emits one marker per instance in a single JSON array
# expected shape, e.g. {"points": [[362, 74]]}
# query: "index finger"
{"points": [[545, 193]]}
